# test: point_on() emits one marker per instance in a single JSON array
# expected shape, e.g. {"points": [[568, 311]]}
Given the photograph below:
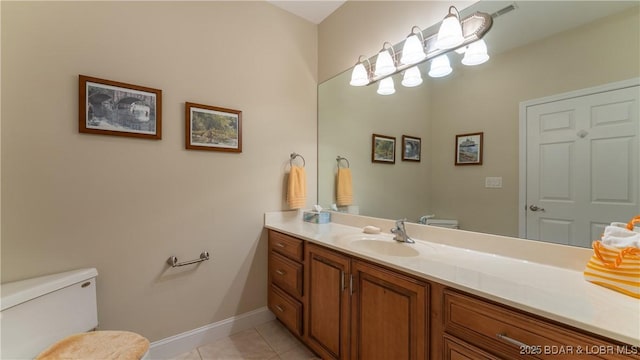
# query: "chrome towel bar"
{"points": [[173, 261]]}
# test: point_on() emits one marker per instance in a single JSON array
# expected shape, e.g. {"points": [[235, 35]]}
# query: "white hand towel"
{"points": [[620, 237]]}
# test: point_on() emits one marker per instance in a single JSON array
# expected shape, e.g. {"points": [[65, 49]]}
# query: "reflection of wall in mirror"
{"points": [[483, 98], [347, 116]]}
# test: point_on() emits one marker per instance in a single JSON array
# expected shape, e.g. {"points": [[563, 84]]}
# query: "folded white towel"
{"points": [[620, 237]]}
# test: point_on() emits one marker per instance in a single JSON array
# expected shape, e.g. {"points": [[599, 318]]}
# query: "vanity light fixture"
{"points": [[476, 53], [401, 58], [360, 74], [385, 63], [386, 86], [440, 67], [413, 49], [450, 33], [461, 50], [412, 77]]}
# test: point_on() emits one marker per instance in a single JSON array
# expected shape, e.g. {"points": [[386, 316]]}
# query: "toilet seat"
{"points": [[112, 345]]}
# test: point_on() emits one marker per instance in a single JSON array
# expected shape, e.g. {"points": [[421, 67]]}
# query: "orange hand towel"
{"points": [[297, 189], [344, 189]]}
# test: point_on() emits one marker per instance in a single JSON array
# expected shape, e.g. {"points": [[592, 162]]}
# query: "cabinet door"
{"points": [[388, 315], [327, 311]]}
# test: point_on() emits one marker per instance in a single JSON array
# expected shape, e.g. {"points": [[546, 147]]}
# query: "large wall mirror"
{"points": [[538, 50]]}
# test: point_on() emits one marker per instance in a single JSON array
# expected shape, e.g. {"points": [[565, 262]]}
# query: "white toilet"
{"points": [[55, 313], [445, 223]]}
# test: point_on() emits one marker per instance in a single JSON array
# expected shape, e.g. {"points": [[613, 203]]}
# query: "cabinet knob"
{"points": [[280, 308], [280, 272]]}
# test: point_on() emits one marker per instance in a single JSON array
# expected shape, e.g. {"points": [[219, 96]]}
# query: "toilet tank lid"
{"points": [[17, 292], [442, 221]]}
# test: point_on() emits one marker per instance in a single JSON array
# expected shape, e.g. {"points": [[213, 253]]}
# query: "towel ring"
{"points": [[293, 156], [342, 158]]}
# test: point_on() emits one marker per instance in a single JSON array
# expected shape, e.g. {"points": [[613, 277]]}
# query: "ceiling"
{"points": [[312, 10]]}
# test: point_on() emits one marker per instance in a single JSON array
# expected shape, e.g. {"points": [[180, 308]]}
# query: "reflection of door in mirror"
{"points": [[581, 163]]}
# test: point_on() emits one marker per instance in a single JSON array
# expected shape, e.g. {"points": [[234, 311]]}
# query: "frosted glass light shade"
{"points": [[450, 33], [412, 51], [359, 76], [440, 67], [476, 53], [412, 77], [384, 63], [386, 87], [461, 50]]}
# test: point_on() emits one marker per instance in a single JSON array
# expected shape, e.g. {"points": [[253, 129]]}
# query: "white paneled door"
{"points": [[582, 165]]}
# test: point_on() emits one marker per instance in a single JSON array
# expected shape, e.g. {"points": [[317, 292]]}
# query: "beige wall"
{"points": [[124, 205], [347, 118]]}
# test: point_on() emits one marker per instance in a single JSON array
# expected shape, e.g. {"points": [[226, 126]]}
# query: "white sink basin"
{"points": [[381, 244]]}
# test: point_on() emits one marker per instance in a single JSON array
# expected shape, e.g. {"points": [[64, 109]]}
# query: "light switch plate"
{"points": [[493, 182]]}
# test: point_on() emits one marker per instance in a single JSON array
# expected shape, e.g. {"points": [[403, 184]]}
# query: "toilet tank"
{"points": [[446, 223], [37, 312]]}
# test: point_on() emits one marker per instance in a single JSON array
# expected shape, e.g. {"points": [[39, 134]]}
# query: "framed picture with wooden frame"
{"points": [[213, 128], [411, 148], [383, 149], [115, 108], [469, 149]]}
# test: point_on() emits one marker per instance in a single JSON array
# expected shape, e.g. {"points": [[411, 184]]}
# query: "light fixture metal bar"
{"points": [[474, 27]]}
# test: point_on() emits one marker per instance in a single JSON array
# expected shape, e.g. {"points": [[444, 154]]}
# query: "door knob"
{"points": [[535, 208]]}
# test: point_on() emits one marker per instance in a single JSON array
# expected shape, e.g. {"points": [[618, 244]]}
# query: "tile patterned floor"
{"points": [[269, 341]]}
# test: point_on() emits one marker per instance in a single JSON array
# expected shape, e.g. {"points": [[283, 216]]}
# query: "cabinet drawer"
{"points": [[286, 273], [287, 309], [456, 349], [286, 245], [511, 334]]}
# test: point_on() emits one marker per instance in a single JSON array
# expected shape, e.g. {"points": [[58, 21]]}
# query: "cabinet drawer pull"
{"points": [[281, 245], [515, 342], [281, 272], [280, 308]]}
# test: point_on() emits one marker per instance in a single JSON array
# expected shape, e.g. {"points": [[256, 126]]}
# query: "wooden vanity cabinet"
{"points": [[344, 307], [357, 310], [286, 280], [507, 333]]}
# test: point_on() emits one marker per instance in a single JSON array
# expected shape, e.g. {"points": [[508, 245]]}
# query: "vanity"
{"points": [[451, 295]]}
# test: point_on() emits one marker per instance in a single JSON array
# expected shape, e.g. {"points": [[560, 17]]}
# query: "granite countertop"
{"points": [[540, 278]]}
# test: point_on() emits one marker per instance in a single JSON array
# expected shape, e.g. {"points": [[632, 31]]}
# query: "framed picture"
{"points": [[469, 149], [411, 148], [114, 108], [213, 128], [383, 149]]}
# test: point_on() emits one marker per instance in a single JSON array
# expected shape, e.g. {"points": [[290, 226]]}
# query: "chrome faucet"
{"points": [[401, 233]]}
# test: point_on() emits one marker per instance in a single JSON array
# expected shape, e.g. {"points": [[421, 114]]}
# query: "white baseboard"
{"points": [[178, 344]]}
